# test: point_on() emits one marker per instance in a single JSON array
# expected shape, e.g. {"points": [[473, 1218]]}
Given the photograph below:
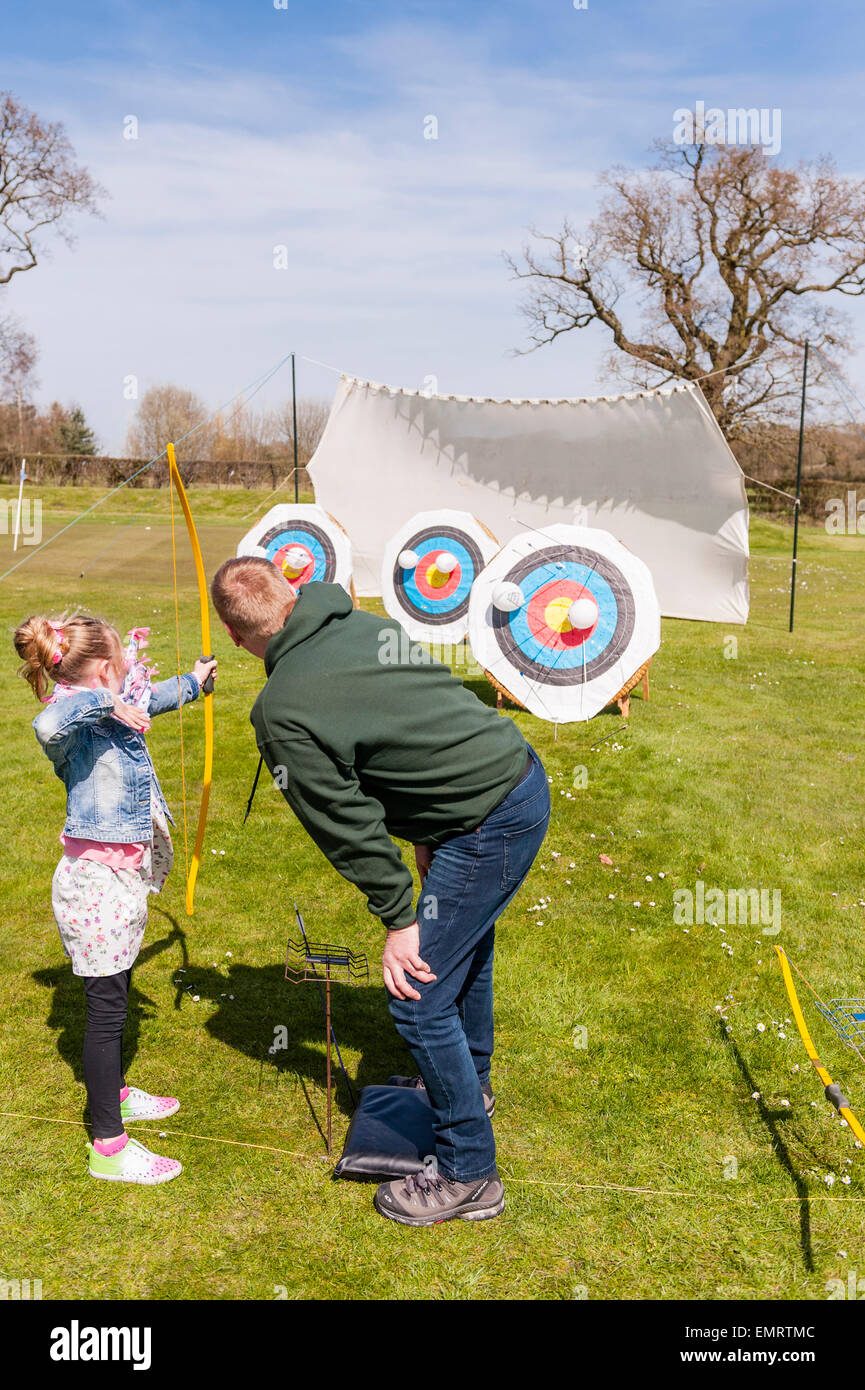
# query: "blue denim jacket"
{"points": [[105, 765]]}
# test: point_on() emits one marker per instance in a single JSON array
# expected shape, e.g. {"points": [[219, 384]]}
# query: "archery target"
{"points": [[304, 542], [428, 570], [588, 620]]}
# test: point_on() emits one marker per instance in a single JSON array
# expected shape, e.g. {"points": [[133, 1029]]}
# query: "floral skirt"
{"points": [[101, 913]]}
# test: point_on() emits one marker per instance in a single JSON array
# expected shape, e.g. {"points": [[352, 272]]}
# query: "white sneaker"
{"points": [[138, 1105], [133, 1163]]}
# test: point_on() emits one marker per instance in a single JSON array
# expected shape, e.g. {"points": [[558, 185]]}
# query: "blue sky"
{"points": [[303, 127]]}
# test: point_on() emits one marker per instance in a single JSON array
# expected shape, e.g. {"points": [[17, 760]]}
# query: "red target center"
{"points": [[547, 609], [431, 582], [291, 573]]}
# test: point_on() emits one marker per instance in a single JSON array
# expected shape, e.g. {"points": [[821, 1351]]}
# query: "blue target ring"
{"points": [[572, 568], [453, 604]]}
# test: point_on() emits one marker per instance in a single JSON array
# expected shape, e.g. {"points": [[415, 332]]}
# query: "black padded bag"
{"points": [[390, 1135]]}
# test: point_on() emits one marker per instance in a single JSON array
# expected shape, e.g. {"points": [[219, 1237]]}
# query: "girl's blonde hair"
{"points": [[252, 596], [61, 649]]}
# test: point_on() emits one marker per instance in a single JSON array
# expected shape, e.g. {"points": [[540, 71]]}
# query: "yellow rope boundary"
{"points": [[540, 1182]]}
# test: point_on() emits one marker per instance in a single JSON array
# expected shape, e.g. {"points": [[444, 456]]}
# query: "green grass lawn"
{"points": [[742, 771]]}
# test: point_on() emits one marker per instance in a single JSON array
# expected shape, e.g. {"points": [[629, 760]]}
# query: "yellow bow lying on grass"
{"points": [[207, 688], [832, 1089]]}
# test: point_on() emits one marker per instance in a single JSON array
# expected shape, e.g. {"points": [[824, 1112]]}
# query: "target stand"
{"points": [[565, 622], [428, 570], [305, 542], [323, 963]]}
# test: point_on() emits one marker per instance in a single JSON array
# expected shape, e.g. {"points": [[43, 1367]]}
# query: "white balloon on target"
{"points": [[507, 598], [583, 613], [296, 559]]}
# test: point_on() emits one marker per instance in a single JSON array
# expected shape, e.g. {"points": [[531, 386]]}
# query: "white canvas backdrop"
{"points": [[651, 467]]}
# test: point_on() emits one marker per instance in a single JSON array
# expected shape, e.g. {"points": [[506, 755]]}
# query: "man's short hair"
{"points": [[252, 597]]}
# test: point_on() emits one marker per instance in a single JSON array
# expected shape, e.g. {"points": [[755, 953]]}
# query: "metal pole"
{"points": [[798, 489], [294, 437], [327, 1012]]}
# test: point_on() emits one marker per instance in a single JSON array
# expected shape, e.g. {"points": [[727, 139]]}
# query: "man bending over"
{"points": [[368, 738]]}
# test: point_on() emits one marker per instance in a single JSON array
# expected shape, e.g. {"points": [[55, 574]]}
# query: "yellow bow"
{"points": [[832, 1092], [207, 688]]}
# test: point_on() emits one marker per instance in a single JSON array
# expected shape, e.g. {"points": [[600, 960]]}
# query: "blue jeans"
{"points": [[449, 1030]]}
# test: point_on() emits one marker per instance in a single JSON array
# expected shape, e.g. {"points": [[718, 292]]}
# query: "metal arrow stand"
{"points": [[305, 960]]}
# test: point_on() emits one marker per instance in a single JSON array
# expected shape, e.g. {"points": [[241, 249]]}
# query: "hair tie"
{"points": [[58, 632]]}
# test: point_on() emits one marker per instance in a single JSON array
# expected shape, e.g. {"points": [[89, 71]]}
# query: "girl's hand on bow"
{"points": [[136, 718], [202, 669]]}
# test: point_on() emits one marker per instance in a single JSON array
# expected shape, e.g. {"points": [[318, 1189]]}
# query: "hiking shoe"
{"points": [[422, 1200], [416, 1083], [138, 1105], [133, 1163]]}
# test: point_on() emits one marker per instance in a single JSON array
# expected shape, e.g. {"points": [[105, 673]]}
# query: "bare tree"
{"points": [[241, 435], [40, 186], [18, 357], [166, 413], [718, 258], [311, 419]]}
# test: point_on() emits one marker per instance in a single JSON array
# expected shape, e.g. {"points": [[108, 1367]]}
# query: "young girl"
{"points": [[116, 849]]}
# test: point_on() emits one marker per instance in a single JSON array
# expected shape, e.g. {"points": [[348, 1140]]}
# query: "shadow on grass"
{"points": [[269, 1011], [771, 1119], [68, 1012], [253, 1005]]}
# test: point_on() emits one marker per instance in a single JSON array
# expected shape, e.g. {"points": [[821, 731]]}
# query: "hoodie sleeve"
{"points": [[346, 823]]}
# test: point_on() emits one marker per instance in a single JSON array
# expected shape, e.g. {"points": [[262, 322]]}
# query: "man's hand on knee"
{"points": [[401, 955]]}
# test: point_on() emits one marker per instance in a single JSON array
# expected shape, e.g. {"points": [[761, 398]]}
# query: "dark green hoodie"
{"points": [[367, 737]]}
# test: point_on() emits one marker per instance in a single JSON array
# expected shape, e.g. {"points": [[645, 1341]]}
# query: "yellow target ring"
{"points": [[435, 578], [556, 614]]}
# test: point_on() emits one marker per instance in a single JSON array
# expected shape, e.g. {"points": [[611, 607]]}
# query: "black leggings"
{"points": [[107, 998]]}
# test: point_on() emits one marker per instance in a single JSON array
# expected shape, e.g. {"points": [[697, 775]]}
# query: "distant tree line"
{"points": [[244, 434]]}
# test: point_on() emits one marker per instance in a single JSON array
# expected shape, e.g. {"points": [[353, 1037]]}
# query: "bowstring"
{"points": [[179, 675]]}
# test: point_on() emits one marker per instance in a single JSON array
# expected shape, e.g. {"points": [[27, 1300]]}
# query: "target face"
{"points": [[304, 542], [428, 571], [588, 620]]}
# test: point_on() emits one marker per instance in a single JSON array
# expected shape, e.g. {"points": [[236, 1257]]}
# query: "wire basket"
{"points": [[847, 1017], [315, 960]]}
